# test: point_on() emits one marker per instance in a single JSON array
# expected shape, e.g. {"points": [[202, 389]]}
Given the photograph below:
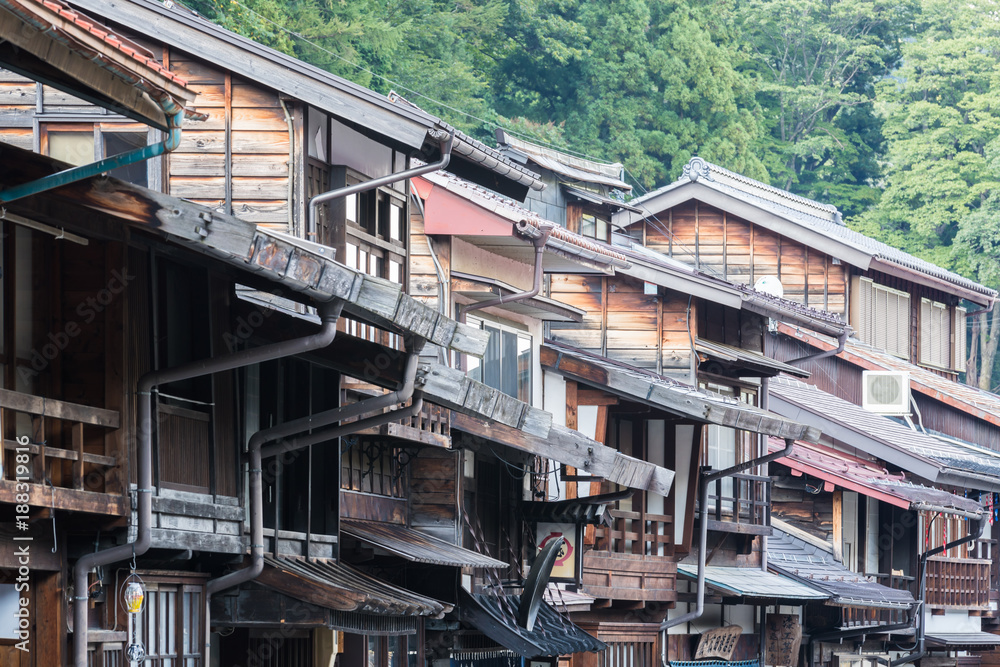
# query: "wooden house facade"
{"points": [[907, 317], [143, 291]]}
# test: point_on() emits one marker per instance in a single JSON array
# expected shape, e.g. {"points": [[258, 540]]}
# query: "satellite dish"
{"points": [[770, 285]]}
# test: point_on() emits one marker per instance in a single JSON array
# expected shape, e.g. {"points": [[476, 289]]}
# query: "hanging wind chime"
{"points": [[134, 598]]}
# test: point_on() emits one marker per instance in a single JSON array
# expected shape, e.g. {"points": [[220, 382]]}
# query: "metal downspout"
{"points": [[175, 115], [536, 285], [257, 452], [706, 479], [921, 649], [445, 142], [330, 313], [841, 342]]}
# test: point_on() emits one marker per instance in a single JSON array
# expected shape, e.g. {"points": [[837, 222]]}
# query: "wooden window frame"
{"points": [[99, 128]]}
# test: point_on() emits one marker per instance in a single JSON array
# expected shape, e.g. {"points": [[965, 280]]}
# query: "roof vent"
{"points": [[886, 392]]}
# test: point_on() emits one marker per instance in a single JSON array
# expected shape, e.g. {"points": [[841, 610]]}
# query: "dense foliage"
{"points": [[886, 109]]}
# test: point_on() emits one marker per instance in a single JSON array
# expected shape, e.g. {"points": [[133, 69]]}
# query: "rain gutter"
{"points": [[536, 286], [175, 116], [707, 477], [257, 452], [329, 312]]}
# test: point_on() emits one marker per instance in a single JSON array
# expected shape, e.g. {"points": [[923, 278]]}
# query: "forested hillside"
{"points": [[888, 110]]}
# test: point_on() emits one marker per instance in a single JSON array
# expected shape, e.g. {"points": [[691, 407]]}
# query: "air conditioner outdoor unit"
{"points": [[886, 392]]}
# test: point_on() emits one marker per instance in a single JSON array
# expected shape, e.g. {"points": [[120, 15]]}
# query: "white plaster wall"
{"points": [[953, 621], [682, 466]]}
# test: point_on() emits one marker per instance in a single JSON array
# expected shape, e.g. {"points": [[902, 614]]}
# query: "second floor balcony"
{"points": [[632, 559], [66, 453], [740, 503]]}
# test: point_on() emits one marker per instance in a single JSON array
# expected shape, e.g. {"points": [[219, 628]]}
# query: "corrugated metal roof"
{"points": [[673, 396], [953, 640], [358, 591], [753, 582], [577, 168], [792, 557], [416, 546], [920, 453], [818, 217], [976, 402], [855, 474], [552, 635]]}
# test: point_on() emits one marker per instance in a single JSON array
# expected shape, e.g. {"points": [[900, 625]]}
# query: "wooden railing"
{"points": [[636, 533], [631, 559], [431, 426], [958, 582], [60, 448], [740, 503]]}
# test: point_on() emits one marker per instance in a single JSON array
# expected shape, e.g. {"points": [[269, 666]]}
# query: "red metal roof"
{"points": [[839, 469]]}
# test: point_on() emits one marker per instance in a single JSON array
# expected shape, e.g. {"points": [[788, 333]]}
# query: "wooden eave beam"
{"points": [[685, 403], [303, 267], [574, 449]]}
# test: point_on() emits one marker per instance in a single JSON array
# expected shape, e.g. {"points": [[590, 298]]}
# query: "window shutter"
{"points": [[861, 310], [902, 322], [925, 331], [959, 353]]}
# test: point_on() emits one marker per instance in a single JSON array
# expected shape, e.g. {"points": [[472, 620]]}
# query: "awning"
{"points": [[585, 509], [973, 640], [479, 288], [414, 545], [813, 565], [339, 586], [736, 362], [751, 582], [839, 469], [934, 459], [552, 635], [667, 394]]}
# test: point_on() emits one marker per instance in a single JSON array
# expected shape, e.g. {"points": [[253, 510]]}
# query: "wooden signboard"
{"points": [[784, 636]]}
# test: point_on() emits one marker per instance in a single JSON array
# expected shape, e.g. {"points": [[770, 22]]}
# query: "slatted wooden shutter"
{"points": [[881, 316], [936, 333], [959, 353]]}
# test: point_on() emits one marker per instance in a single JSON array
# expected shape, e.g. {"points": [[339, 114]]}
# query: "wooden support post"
{"points": [[78, 464], [572, 421]]}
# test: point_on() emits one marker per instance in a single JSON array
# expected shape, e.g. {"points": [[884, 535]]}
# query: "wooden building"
{"points": [[127, 282], [908, 322]]}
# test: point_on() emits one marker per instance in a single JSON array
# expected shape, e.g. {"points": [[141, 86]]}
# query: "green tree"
{"points": [[817, 62], [645, 83]]}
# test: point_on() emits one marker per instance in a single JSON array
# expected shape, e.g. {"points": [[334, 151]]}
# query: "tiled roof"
{"points": [[416, 546], [122, 44], [796, 558], [972, 400], [818, 217], [509, 209], [925, 455], [571, 166]]}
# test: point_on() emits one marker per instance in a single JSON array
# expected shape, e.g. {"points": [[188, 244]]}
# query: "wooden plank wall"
{"points": [[238, 159], [434, 478], [623, 323], [423, 284], [808, 512], [741, 252]]}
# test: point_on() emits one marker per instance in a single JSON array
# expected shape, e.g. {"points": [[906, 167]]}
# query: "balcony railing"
{"points": [[631, 559], [740, 503], [61, 449], [962, 583], [636, 533]]}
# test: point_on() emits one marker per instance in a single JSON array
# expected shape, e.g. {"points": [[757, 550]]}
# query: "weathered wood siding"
{"points": [[623, 323], [434, 480], [742, 252], [808, 512], [237, 159]]}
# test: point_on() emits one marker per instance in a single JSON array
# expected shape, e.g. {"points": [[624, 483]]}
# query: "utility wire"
{"points": [[396, 84]]}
